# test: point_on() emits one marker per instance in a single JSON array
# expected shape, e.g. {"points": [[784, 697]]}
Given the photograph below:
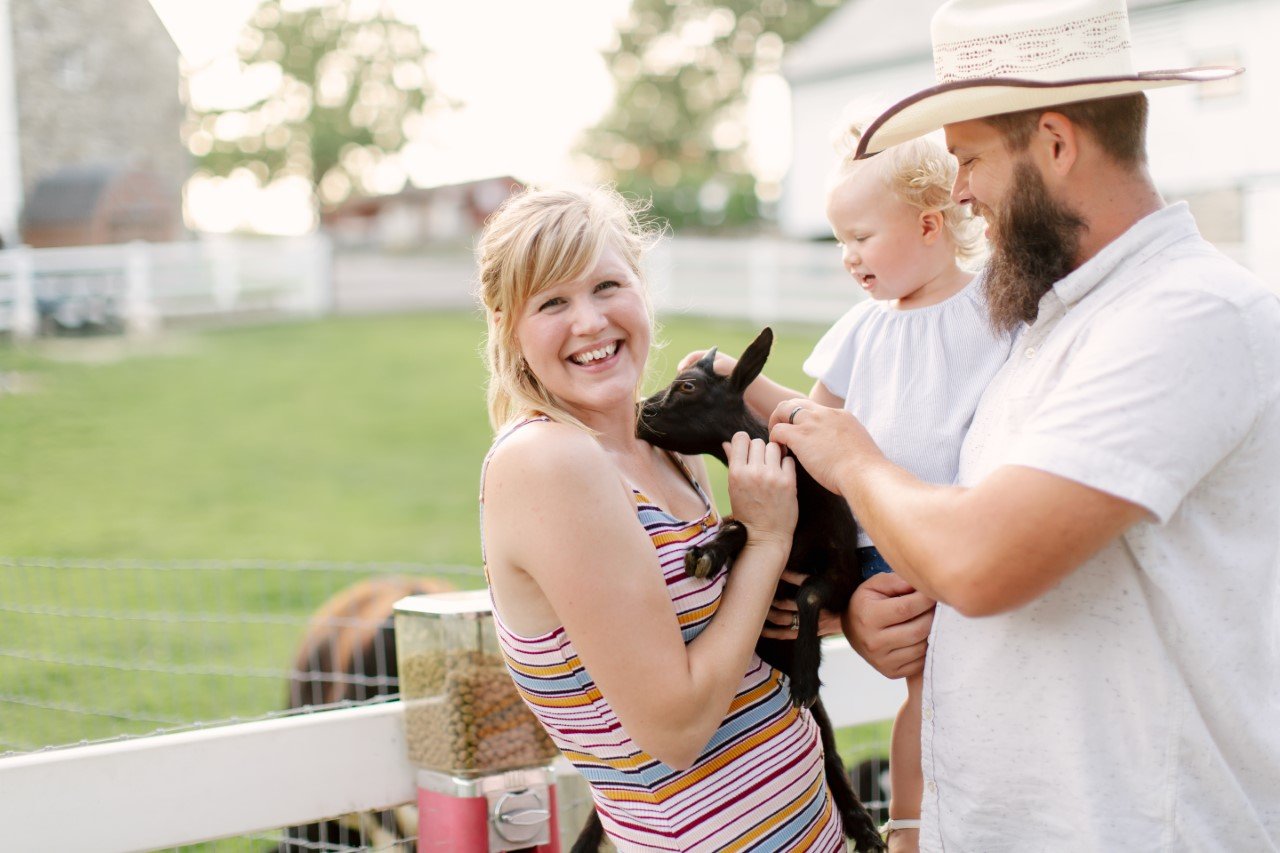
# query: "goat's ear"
{"points": [[708, 362], [752, 361]]}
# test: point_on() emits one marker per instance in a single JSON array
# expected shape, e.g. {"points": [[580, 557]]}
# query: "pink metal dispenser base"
{"points": [[508, 811]]}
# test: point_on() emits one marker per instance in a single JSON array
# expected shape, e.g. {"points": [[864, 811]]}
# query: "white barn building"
{"points": [[1214, 145]]}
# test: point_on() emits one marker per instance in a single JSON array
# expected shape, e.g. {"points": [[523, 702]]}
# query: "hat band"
{"points": [[1096, 46]]}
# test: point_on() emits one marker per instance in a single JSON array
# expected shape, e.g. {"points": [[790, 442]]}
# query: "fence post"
{"points": [[657, 266], [763, 281], [26, 318], [319, 274], [140, 314], [226, 272]]}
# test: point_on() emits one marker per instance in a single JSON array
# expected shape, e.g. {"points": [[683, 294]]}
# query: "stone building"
{"points": [[86, 86]]}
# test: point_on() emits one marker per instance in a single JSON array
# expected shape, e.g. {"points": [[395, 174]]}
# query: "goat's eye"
{"points": [[688, 386]]}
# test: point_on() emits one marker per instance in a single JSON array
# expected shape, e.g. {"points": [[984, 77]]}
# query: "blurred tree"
{"points": [[677, 132], [340, 86]]}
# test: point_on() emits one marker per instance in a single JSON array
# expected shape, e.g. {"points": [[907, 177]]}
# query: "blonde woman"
{"points": [[645, 678]]}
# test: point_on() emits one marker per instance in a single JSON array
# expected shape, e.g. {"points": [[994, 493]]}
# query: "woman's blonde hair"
{"points": [[537, 239], [921, 173]]}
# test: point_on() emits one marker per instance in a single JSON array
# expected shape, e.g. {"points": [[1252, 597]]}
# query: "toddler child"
{"points": [[910, 363]]}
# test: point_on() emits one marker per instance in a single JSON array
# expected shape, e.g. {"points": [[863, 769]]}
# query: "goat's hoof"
{"points": [[698, 564], [867, 840], [705, 567]]}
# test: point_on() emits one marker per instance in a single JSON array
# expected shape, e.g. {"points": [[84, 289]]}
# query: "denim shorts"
{"points": [[871, 562]]}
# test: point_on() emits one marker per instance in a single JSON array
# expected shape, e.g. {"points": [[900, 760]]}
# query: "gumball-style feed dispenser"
{"points": [[485, 781]]}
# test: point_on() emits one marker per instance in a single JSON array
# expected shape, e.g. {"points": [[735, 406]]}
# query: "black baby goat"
{"points": [[697, 413]]}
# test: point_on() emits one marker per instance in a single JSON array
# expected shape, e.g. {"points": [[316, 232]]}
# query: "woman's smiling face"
{"points": [[587, 339]]}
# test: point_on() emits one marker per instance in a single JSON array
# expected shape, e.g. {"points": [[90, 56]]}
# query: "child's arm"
{"points": [[763, 395], [823, 396]]}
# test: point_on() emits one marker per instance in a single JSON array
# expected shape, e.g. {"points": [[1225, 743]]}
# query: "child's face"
{"points": [[884, 242]]}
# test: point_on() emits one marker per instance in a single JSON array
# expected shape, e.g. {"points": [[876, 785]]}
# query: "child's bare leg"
{"points": [[906, 779]]}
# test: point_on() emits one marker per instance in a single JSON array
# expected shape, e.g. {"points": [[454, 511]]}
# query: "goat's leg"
{"points": [[854, 817], [591, 837], [811, 597], [702, 561]]}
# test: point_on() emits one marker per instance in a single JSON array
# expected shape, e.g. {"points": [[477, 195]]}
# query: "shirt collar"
{"points": [[1149, 235]]}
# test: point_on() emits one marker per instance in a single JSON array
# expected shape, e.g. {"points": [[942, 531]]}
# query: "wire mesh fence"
{"points": [[364, 833], [97, 650], [94, 651]]}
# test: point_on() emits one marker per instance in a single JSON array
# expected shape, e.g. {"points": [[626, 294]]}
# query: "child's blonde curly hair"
{"points": [[921, 173]]}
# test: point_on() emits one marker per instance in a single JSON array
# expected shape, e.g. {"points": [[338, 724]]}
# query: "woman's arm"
{"points": [[555, 508]]}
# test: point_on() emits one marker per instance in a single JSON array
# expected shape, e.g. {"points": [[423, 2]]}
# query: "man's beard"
{"points": [[1035, 243]]}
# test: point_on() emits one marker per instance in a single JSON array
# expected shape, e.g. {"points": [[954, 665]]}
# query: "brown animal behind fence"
{"points": [[348, 656]]}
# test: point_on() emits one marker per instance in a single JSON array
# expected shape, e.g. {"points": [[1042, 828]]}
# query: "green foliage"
{"points": [[677, 130], [349, 84]]}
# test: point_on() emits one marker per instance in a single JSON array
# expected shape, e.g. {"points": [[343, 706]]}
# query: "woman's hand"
{"points": [[762, 490], [724, 363], [782, 615]]}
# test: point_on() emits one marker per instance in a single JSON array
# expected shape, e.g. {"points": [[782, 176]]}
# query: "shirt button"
{"points": [[933, 789], [1030, 352], [928, 713]]}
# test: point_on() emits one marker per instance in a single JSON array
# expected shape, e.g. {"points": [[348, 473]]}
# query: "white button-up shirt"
{"points": [[1136, 705]]}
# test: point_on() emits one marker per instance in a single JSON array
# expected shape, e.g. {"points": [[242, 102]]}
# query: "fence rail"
{"points": [[138, 285], [763, 279], [151, 699], [253, 777]]}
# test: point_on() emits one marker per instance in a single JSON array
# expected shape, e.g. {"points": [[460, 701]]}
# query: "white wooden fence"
{"points": [[761, 279], [138, 285], [169, 790]]}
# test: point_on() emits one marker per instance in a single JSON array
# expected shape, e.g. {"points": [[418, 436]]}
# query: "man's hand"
{"points": [[888, 624], [826, 441]]}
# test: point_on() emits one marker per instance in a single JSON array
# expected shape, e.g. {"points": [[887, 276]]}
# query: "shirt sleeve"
{"points": [[831, 361], [1159, 391]]}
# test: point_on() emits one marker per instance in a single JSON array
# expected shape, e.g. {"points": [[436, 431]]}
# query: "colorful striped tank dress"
{"points": [[758, 784]]}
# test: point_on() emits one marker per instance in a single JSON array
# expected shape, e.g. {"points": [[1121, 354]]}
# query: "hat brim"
{"points": [[964, 100]]}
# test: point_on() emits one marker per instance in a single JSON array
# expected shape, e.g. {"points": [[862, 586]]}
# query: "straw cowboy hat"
{"points": [[1003, 56]]}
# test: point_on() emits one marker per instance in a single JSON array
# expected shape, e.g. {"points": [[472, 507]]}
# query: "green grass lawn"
{"points": [[343, 441], [347, 439]]}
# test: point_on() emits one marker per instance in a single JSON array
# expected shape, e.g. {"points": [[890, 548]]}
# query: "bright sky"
{"points": [[530, 76]]}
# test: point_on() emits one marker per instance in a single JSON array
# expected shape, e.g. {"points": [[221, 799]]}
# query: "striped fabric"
{"points": [[759, 783]]}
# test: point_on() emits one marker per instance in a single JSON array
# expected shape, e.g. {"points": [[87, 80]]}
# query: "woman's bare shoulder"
{"points": [[548, 457]]}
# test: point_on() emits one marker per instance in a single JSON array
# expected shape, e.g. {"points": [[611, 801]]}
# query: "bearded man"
{"points": [[1103, 667]]}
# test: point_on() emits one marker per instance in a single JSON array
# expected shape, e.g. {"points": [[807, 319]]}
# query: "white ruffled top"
{"points": [[913, 377]]}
